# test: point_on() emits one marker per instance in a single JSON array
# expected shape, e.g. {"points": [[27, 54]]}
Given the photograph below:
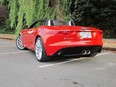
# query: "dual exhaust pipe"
{"points": [[86, 52]]}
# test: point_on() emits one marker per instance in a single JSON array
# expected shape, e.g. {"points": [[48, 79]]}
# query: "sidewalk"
{"points": [[7, 36], [108, 44]]}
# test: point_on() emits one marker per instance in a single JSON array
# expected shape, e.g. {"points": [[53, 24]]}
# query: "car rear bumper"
{"points": [[72, 46], [74, 51]]}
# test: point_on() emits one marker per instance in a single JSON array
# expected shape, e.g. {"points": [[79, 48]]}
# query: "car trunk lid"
{"points": [[80, 33]]}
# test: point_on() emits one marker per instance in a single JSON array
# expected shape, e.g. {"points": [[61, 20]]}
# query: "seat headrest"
{"points": [[49, 23], [71, 23]]}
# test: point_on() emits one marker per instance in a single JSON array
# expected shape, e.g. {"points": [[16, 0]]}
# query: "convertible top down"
{"points": [[51, 37]]}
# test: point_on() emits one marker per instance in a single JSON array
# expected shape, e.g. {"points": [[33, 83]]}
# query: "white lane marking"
{"points": [[49, 65], [7, 46], [13, 53], [43, 66]]}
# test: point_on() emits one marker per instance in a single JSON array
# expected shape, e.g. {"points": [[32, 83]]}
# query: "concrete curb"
{"points": [[7, 36], [109, 44]]}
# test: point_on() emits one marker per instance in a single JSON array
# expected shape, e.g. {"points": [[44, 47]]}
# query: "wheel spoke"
{"points": [[38, 50], [19, 43]]}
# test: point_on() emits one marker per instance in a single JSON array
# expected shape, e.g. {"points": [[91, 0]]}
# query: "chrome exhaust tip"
{"points": [[59, 53], [84, 52], [88, 52]]}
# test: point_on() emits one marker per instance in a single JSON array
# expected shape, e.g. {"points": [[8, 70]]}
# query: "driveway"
{"points": [[19, 68]]}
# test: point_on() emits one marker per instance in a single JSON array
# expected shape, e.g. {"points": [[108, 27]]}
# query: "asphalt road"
{"points": [[21, 69]]}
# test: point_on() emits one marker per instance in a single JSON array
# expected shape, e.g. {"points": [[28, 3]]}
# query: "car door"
{"points": [[30, 37], [29, 34], [24, 37]]}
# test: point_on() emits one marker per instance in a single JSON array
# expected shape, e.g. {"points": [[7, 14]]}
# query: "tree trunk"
{"points": [[3, 13]]}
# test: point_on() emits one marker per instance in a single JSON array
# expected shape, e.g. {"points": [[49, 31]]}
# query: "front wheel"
{"points": [[40, 52], [19, 43]]}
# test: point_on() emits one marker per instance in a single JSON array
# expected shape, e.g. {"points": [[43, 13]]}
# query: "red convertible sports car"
{"points": [[56, 38]]}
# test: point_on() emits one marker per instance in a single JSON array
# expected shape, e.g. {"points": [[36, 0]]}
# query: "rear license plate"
{"points": [[85, 35]]}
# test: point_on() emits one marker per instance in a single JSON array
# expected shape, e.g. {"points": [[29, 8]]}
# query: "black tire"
{"points": [[40, 52], [19, 43]]}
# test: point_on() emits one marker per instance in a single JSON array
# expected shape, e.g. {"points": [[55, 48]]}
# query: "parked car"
{"points": [[58, 38]]}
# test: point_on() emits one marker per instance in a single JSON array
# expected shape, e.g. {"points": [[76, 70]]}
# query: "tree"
{"points": [[3, 14], [4, 17], [23, 12], [98, 13], [3, 11], [4, 2]]}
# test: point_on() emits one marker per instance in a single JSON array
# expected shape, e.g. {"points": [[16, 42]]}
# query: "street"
{"points": [[19, 68]]}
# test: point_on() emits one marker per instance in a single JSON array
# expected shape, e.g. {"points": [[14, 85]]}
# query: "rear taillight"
{"points": [[100, 35], [65, 32], [97, 35], [94, 34]]}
